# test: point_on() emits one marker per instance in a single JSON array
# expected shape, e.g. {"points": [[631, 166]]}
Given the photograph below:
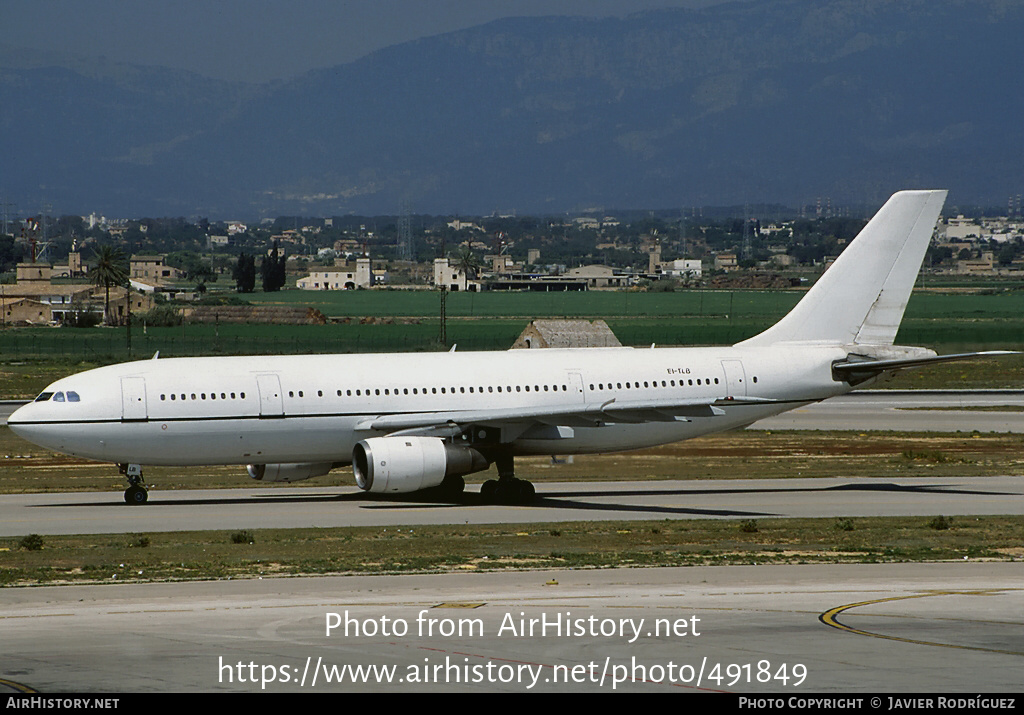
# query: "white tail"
{"points": [[860, 299]]}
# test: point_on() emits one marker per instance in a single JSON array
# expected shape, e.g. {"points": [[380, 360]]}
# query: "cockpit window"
{"points": [[73, 396], [58, 397], [44, 396]]}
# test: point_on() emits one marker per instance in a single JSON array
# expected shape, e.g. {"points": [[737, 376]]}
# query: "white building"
{"points": [[344, 277], [960, 228], [452, 277], [682, 268]]}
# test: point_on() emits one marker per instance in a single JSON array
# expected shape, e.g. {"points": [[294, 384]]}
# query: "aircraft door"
{"points": [[735, 378], [574, 380], [271, 399], [133, 399]]}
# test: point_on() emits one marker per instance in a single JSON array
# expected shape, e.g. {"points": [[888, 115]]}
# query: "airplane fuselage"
{"points": [[314, 408]]}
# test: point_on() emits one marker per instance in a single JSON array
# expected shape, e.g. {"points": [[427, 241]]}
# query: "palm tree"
{"points": [[110, 269], [467, 262]]}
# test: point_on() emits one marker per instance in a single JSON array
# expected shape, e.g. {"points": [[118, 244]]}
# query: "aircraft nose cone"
{"points": [[15, 417]]}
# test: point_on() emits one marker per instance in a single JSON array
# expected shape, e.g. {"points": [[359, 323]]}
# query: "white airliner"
{"points": [[413, 421]]}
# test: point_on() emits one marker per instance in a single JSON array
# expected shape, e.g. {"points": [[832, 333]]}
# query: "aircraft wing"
{"points": [[590, 415]]}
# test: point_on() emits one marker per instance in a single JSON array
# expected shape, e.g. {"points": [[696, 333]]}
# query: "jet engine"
{"points": [[408, 464], [288, 472]]}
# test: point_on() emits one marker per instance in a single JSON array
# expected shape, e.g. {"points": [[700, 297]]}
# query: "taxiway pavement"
{"points": [[787, 630], [290, 507]]}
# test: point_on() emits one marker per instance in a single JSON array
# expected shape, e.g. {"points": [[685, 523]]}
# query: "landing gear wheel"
{"points": [[451, 488], [527, 493], [136, 495], [508, 489], [512, 491], [489, 492]]}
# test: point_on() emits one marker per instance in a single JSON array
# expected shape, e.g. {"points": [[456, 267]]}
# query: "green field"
{"points": [[761, 306]]}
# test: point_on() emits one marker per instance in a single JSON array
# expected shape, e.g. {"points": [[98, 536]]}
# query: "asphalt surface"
{"points": [[290, 507], [786, 630]]}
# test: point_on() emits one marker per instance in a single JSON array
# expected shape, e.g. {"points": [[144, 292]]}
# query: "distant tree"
{"points": [[110, 269], [245, 273], [273, 270], [1007, 253]]}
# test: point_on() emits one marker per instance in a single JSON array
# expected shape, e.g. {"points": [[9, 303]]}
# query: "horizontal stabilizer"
{"points": [[856, 369]]}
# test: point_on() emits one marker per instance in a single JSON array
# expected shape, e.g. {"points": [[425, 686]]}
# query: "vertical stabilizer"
{"points": [[861, 297]]}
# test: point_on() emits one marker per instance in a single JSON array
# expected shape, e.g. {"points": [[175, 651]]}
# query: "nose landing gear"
{"points": [[136, 493]]}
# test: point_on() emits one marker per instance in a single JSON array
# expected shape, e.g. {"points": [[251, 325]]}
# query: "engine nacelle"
{"points": [[408, 464], [288, 472]]}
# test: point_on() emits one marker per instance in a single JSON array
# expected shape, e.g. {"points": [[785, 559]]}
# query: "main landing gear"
{"points": [[136, 493], [507, 488]]}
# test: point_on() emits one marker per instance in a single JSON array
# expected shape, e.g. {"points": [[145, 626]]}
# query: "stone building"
{"points": [[566, 334]]}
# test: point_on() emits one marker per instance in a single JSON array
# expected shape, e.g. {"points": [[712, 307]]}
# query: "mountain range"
{"points": [[764, 101]]}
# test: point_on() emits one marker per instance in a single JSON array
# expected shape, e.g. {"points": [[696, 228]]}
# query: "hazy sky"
{"points": [[260, 40]]}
